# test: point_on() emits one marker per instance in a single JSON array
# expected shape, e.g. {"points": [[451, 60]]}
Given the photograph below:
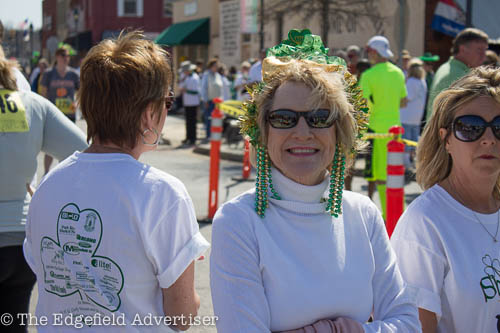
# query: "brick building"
{"points": [[83, 23]]}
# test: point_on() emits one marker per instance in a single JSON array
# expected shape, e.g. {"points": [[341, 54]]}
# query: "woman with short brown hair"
{"points": [[119, 236]]}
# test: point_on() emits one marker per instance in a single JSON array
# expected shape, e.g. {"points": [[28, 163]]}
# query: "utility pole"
{"points": [[468, 14], [325, 21], [261, 32], [402, 28]]}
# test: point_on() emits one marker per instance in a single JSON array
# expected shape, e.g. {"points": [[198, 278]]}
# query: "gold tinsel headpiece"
{"points": [[306, 47]]}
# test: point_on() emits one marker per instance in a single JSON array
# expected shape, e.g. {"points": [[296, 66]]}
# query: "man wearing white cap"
{"points": [[384, 88]]}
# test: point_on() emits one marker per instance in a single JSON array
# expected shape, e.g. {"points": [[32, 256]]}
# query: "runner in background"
{"points": [[59, 85], [42, 67], [384, 87], [28, 124]]}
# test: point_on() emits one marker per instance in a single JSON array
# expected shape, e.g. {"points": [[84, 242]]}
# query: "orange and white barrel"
{"points": [[395, 178], [215, 141]]}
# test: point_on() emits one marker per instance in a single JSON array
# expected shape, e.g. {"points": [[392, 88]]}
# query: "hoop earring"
{"points": [[155, 143]]}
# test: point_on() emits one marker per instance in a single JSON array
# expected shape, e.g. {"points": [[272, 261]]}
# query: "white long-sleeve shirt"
{"points": [[299, 265]]}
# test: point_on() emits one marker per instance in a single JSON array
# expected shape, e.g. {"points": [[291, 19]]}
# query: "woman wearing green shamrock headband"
{"points": [[297, 254]]}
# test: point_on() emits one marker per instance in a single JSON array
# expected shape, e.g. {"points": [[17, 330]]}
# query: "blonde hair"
{"points": [[416, 69], [7, 77], [434, 164], [326, 89]]}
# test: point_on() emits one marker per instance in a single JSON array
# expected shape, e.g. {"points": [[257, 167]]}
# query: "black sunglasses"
{"points": [[284, 118], [470, 128]]}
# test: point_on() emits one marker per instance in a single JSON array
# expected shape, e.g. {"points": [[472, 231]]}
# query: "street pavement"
{"points": [[193, 170]]}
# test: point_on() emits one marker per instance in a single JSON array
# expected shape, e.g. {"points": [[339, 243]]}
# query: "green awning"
{"points": [[186, 33]]}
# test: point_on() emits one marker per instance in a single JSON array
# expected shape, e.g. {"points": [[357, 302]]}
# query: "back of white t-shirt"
{"points": [[104, 234]]}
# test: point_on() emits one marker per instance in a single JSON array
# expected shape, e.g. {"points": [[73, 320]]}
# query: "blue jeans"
{"points": [[207, 117], [411, 133]]}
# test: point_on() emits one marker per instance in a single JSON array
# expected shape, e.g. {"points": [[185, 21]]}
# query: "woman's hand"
{"points": [[339, 325]]}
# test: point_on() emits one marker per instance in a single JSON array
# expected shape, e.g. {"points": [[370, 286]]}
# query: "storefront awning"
{"points": [[186, 33]]}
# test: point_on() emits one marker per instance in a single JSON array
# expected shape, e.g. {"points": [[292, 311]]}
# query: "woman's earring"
{"points": [[155, 143], [334, 205]]}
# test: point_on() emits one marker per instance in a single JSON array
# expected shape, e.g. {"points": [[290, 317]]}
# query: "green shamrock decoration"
{"points": [[71, 264], [302, 44], [296, 36]]}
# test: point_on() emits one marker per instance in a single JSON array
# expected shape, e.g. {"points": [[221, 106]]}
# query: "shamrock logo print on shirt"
{"points": [[72, 264]]}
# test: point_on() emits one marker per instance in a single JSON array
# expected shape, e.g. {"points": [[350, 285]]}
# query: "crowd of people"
{"points": [[105, 234], [198, 87]]}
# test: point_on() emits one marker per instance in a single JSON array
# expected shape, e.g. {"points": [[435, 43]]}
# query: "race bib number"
{"points": [[12, 112], [65, 105]]}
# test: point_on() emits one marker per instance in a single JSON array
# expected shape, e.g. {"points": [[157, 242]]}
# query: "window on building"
{"points": [[130, 8], [168, 8]]}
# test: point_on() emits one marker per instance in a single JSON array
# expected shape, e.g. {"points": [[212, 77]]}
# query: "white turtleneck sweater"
{"points": [[298, 264]]}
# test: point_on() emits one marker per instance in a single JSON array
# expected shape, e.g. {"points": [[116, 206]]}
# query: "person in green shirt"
{"points": [[468, 51], [384, 87]]}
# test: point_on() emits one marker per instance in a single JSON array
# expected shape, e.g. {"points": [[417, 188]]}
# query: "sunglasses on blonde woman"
{"points": [[285, 118], [470, 128]]}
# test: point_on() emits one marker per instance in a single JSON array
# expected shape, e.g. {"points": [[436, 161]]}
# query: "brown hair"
{"points": [[61, 51], [7, 77], [434, 164], [119, 80], [326, 89], [468, 35]]}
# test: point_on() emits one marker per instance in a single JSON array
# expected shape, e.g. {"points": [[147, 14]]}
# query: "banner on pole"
{"points": [[448, 18], [249, 16]]}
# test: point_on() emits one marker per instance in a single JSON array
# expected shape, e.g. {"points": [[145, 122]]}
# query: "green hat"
{"points": [[429, 57]]}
